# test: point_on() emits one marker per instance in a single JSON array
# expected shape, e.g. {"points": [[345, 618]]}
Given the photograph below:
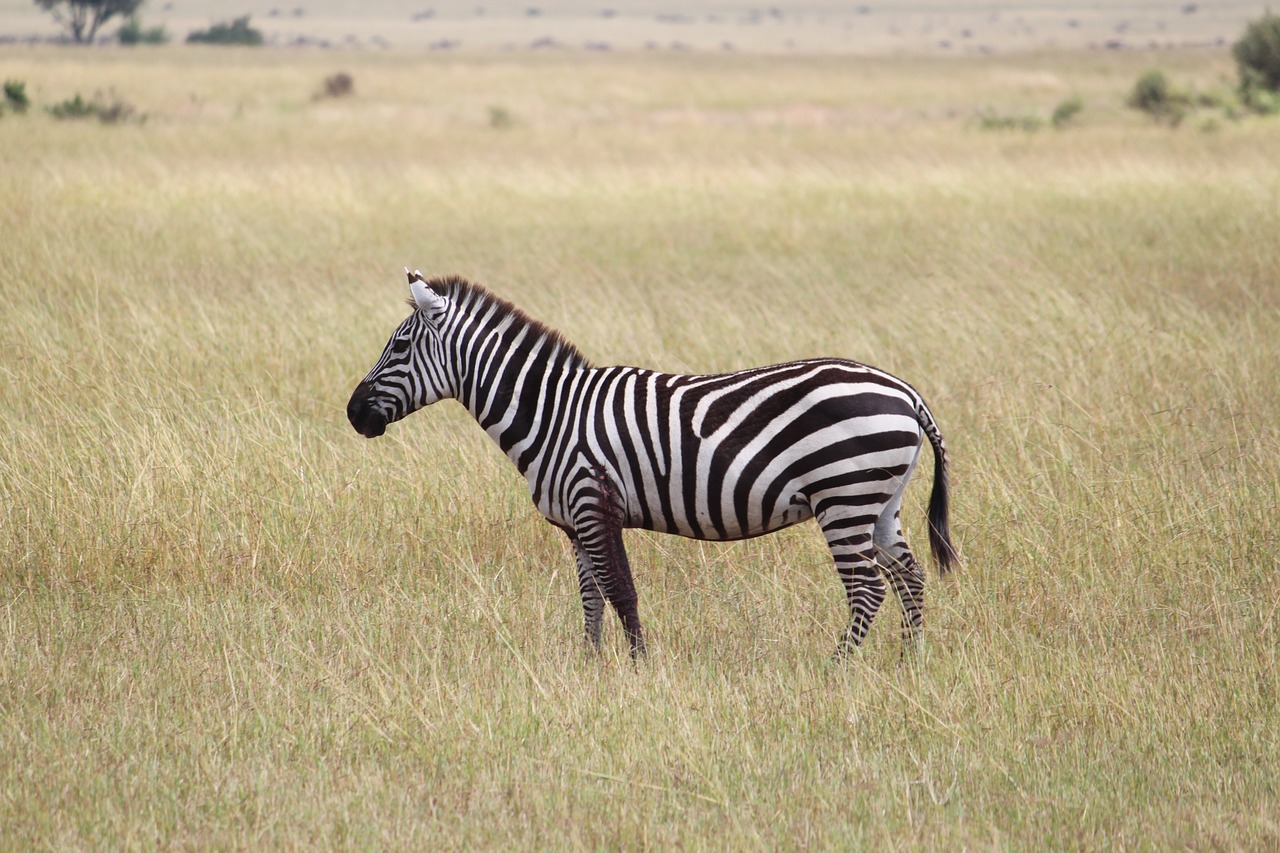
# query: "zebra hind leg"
{"points": [[849, 539], [904, 573]]}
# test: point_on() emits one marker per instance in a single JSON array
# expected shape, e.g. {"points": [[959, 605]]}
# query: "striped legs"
{"points": [[897, 561], [863, 547], [848, 534], [603, 569], [905, 574], [591, 591]]}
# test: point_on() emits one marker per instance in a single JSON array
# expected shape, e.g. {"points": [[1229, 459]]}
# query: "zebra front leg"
{"points": [[620, 589], [589, 588], [598, 529]]}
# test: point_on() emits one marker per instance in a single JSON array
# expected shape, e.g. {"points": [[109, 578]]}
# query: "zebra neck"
{"points": [[510, 386]]}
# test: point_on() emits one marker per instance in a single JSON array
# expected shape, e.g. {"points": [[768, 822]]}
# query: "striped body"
{"points": [[725, 456]]}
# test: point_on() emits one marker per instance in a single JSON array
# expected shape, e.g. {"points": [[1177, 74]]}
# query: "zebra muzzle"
{"points": [[365, 417]]}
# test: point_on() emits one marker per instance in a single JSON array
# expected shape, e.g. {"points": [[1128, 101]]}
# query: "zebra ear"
{"points": [[423, 296]]}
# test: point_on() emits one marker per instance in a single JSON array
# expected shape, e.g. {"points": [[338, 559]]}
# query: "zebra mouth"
{"points": [[372, 428], [366, 418]]}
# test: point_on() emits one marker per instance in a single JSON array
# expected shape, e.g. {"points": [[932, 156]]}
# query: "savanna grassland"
{"points": [[228, 621]]}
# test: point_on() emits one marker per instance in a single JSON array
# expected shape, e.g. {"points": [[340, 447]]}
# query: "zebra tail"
{"points": [[939, 527]]}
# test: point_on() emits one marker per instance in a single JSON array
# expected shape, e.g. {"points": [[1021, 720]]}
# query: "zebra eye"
{"points": [[400, 346]]}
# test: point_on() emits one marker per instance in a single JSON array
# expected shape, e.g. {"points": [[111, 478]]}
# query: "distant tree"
{"points": [[82, 18], [1257, 54], [1257, 57]]}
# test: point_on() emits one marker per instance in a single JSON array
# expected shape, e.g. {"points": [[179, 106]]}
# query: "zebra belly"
{"points": [[794, 513]]}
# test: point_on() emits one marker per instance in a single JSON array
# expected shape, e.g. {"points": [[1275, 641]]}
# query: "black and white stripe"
{"points": [[726, 456]]}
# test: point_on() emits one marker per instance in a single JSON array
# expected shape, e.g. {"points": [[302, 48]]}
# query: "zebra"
{"points": [[718, 457]]}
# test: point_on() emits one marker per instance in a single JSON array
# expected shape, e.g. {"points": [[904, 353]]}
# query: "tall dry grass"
{"points": [[228, 621]]}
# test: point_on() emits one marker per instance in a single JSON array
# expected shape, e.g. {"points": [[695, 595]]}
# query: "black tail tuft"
{"points": [[939, 528]]}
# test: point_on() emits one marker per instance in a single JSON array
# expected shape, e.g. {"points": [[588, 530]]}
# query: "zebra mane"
{"points": [[470, 296]]}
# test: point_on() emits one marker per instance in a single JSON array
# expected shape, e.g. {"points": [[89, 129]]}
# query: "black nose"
{"points": [[365, 417]]}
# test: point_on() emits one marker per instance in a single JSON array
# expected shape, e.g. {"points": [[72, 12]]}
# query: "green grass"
{"points": [[228, 621]]}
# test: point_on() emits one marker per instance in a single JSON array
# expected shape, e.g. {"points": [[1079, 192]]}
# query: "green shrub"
{"points": [[15, 97], [236, 32], [1065, 112], [76, 107], [108, 108], [991, 120], [1260, 100], [1257, 54], [500, 117], [1153, 95], [131, 32]]}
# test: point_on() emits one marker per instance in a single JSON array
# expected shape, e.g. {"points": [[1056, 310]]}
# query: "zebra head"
{"points": [[412, 370]]}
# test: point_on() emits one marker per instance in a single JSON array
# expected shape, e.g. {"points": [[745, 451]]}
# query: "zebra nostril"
{"points": [[355, 408]]}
